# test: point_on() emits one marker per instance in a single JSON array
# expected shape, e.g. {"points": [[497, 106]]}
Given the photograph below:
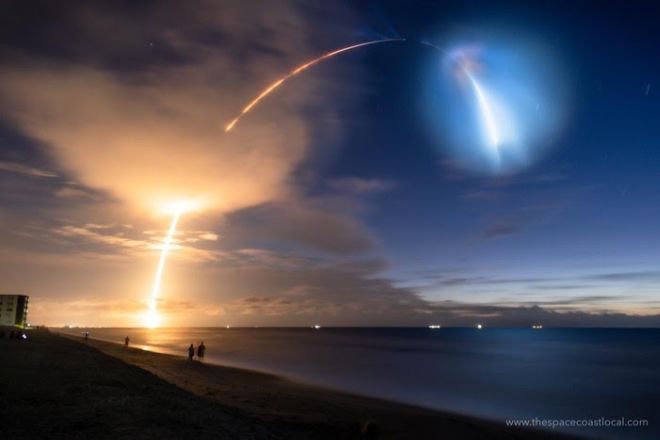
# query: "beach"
{"points": [[63, 387]]}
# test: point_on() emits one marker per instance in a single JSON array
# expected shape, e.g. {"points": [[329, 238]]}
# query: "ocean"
{"points": [[557, 375]]}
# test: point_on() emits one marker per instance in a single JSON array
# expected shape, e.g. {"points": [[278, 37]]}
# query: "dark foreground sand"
{"points": [[58, 387]]}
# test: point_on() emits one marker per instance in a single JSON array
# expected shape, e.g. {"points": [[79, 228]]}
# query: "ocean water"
{"points": [[499, 374]]}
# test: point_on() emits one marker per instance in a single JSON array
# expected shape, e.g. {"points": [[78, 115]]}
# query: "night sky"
{"points": [[343, 198]]}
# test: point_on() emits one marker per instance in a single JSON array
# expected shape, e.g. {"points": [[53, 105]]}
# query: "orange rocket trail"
{"points": [[152, 319], [268, 90]]}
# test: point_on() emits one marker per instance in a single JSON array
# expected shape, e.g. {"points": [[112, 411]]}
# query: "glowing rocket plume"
{"points": [[152, 319], [295, 72], [487, 113], [485, 107]]}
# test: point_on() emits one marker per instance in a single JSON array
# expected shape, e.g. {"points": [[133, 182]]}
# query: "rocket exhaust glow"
{"points": [[268, 90], [485, 108], [153, 319], [486, 112]]}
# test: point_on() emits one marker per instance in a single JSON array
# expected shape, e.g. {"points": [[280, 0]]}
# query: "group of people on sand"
{"points": [[201, 349]]}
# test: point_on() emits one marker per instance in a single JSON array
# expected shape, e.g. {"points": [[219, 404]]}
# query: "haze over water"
{"points": [[495, 373]]}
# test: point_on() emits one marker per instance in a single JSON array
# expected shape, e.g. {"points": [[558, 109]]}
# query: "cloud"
{"points": [[130, 102], [90, 233], [524, 316], [73, 191], [360, 186], [568, 282], [640, 276], [313, 224], [14, 167], [502, 230], [210, 236], [110, 242], [513, 204], [580, 300], [262, 287], [141, 115]]}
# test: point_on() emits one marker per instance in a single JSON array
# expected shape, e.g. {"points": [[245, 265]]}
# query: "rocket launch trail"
{"points": [[268, 90], [153, 319], [486, 112]]}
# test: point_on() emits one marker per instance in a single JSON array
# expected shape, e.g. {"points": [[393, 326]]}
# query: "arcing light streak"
{"points": [[485, 108], [152, 317], [482, 99], [486, 112], [296, 71], [509, 105]]}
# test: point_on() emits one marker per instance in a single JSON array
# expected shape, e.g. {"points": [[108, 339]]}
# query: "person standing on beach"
{"points": [[191, 352], [201, 349], [127, 340]]}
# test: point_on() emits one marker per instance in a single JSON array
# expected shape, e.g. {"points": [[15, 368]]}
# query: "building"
{"points": [[13, 310]]}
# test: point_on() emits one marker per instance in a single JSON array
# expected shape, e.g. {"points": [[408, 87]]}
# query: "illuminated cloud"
{"points": [[18, 168], [314, 224], [361, 186], [151, 132], [124, 112]]}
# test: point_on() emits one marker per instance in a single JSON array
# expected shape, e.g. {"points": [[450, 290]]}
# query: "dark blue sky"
{"points": [[586, 209], [362, 188]]}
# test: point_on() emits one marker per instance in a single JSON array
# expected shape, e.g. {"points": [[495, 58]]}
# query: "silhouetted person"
{"points": [[191, 352], [127, 340], [201, 349], [86, 336]]}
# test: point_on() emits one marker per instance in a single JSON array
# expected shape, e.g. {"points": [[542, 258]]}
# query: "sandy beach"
{"points": [[62, 387]]}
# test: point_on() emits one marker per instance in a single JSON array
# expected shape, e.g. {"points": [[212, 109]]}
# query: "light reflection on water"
{"points": [[495, 373]]}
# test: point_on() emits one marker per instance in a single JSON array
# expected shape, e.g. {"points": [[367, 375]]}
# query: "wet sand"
{"points": [[62, 387]]}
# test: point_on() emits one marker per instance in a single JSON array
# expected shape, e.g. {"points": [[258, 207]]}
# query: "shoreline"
{"points": [[275, 398], [58, 386]]}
